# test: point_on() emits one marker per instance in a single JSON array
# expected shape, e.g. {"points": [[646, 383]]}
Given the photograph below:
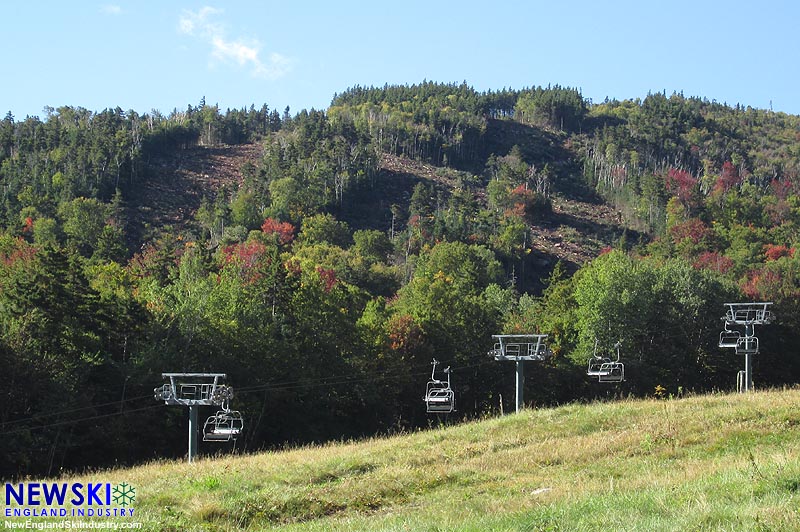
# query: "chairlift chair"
{"points": [[225, 425], [439, 396], [728, 338], [605, 369]]}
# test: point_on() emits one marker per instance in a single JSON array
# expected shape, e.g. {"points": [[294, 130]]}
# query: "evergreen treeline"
{"points": [[324, 293]]}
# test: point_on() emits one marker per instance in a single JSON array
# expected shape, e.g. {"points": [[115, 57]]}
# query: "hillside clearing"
{"points": [[171, 196]]}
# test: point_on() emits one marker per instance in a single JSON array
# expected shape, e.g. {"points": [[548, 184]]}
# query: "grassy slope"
{"points": [[720, 462]]}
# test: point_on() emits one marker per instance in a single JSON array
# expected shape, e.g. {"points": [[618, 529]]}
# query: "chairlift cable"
{"points": [[70, 411], [81, 420], [355, 379], [280, 386]]}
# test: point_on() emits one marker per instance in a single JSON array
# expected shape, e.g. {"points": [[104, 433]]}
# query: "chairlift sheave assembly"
{"points": [[520, 347]]}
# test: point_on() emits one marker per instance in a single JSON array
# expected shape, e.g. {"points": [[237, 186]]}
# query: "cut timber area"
{"points": [[177, 184], [575, 232]]}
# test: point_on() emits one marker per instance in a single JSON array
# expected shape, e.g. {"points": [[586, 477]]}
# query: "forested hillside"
{"points": [[322, 259]]}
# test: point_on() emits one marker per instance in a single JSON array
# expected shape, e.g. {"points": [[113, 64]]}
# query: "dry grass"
{"points": [[717, 462]]}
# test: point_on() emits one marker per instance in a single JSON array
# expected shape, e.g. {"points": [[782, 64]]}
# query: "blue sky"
{"points": [[145, 55]]}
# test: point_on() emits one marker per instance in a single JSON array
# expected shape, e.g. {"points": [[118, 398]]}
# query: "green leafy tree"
{"points": [[245, 210], [324, 228], [83, 222], [447, 298], [110, 245], [372, 244], [665, 315]]}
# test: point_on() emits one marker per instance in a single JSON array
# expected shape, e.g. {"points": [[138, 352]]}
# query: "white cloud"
{"points": [[204, 24], [276, 67], [200, 23], [110, 9], [237, 52]]}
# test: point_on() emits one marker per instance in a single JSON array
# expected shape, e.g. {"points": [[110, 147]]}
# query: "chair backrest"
{"points": [[747, 345], [729, 338]]}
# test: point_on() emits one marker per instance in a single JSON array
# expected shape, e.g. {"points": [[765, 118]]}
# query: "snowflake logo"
{"points": [[124, 494]]}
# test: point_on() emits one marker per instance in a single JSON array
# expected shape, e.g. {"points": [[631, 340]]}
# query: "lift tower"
{"points": [[193, 390], [746, 315], [519, 348]]}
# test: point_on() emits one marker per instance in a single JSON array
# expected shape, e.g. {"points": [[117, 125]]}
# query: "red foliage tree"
{"points": [[774, 252], [728, 179], [405, 335], [20, 253], [527, 204], [781, 189], [248, 256], [328, 277], [293, 267], [680, 183], [762, 284], [284, 231], [712, 260], [693, 229]]}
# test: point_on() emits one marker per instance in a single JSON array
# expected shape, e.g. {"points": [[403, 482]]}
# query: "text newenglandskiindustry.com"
{"points": [[70, 525]]}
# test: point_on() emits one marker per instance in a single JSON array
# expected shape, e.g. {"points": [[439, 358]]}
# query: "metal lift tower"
{"points": [[519, 348], [746, 315], [193, 390]]}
